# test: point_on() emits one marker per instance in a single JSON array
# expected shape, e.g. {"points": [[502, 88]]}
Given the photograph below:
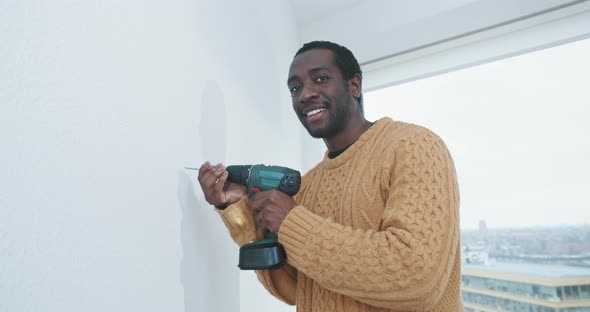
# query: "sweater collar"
{"points": [[369, 134]]}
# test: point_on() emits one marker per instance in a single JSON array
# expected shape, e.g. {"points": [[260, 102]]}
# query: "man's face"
{"points": [[322, 99]]}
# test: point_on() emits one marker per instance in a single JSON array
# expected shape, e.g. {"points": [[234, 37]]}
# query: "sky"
{"points": [[518, 130]]}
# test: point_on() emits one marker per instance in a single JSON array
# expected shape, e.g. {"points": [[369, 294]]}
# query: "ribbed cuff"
{"points": [[294, 233], [231, 209]]}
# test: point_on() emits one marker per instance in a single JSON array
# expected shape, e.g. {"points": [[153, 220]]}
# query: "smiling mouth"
{"points": [[315, 112]]}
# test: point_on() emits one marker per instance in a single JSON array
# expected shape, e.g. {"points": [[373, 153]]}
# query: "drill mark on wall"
{"points": [[208, 271]]}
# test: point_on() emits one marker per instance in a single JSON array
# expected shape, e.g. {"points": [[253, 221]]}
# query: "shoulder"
{"points": [[397, 134]]}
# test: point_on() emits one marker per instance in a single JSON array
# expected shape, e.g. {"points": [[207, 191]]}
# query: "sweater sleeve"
{"points": [[242, 227], [239, 222], [406, 264]]}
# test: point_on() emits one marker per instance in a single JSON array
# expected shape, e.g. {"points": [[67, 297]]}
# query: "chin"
{"points": [[327, 128], [320, 133], [316, 135]]}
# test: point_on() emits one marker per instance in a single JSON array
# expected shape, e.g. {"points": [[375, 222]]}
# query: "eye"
{"points": [[321, 79], [293, 89]]}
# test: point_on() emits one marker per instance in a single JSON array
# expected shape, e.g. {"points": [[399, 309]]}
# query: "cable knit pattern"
{"points": [[376, 228]]}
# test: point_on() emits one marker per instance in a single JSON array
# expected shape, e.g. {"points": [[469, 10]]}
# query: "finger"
{"points": [[207, 179], [217, 170], [218, 187], [205, 173], [204, 167], [254, 203], [260, 219], [208, 183]]}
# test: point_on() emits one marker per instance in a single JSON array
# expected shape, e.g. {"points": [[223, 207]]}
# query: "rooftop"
{"points": [[550, 271]]}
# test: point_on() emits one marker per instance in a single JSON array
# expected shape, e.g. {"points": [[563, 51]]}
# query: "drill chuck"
{"points": [[239, 173]]}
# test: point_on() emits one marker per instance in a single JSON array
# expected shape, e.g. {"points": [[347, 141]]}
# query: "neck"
{"points": [[355, 128]]}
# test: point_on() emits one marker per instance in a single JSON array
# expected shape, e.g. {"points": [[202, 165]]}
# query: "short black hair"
{"points": [[344, 60]]}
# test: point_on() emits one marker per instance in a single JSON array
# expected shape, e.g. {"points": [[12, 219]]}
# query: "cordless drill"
{"points": [[267, 253]]}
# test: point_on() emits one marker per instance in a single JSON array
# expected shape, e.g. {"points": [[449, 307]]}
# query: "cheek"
{"points": [[295, 106]]}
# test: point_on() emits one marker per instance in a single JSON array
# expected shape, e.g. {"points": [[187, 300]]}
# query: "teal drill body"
{"points": [[260, 178], [267, 253]]}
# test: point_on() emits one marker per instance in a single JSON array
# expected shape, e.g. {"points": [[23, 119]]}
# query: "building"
{"points": [[526, 287]]}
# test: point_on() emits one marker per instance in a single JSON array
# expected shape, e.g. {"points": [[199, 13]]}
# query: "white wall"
{"points": [[101, 105]]}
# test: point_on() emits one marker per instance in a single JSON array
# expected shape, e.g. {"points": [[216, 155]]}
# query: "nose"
{"points": [[308, 93]]}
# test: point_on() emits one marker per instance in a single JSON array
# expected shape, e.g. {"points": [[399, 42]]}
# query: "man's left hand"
{"points": [[270, 208]]}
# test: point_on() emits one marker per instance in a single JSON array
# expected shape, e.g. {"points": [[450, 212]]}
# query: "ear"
{"points": [[356, 85]]}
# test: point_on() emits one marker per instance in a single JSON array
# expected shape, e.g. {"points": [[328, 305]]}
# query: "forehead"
{"points": [[312, 60]]}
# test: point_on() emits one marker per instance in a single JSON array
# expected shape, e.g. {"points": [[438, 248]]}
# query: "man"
{"points": [[375, 226]]}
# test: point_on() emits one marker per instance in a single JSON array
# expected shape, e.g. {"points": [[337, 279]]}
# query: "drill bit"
{"points": [[191, 168]]}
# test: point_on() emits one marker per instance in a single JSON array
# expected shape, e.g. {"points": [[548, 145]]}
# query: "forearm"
{"points": [[389, 268], [243, 229], [240, 223]]}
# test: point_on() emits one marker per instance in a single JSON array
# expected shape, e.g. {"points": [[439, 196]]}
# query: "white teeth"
{"points": [[315, 111]]}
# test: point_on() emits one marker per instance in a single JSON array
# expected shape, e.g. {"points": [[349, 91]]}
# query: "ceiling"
{"points": [[310, 11], [366, 25], [307, 11], [376, 29]]}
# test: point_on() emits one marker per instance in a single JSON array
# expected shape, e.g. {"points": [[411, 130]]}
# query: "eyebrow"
{"points": [[313, 70]]}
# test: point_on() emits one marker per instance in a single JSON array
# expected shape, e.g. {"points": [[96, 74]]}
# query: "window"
{"points": [[517, 128]]}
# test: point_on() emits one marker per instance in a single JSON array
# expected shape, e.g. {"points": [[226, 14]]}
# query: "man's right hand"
{"points": [[218, 191]]}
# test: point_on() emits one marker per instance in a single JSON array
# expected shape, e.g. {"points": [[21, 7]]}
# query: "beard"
{"points": [[338, 118]]}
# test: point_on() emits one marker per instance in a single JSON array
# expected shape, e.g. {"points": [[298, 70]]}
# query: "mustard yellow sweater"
{"points": [[375, 229]]}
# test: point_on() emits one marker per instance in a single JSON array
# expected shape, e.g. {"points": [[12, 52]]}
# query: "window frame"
{"points": [[560, 26]]}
